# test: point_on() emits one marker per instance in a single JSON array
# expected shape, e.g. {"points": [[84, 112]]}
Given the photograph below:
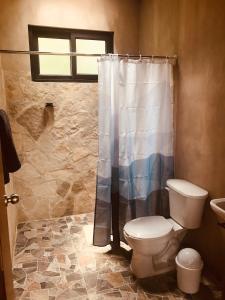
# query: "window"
{"points": [[67, 68]]}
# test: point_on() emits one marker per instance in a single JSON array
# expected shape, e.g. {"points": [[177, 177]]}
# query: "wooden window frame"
{"points": [[65, 33]]}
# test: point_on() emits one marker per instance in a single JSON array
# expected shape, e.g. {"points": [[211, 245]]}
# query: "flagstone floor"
{"points": [[55, 260]]}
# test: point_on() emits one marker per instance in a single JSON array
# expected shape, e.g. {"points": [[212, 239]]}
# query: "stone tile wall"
{"points": [[57, 147]]}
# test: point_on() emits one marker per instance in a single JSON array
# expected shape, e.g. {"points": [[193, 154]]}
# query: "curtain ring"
{"points": [[100, 58], [140, 59]]}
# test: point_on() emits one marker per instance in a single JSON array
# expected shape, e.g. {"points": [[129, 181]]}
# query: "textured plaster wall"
{"points": [[194, 30], [11, 210], [57, 148], [122, 17]]}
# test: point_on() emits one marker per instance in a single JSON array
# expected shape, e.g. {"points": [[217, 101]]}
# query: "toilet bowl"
{"points": [[156, 240], [154, 251]]}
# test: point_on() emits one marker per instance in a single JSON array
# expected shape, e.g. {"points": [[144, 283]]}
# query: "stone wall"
{"points": [[57, 147]]}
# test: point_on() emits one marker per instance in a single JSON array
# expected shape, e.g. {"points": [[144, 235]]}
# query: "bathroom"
{"points": [[57, 145]]}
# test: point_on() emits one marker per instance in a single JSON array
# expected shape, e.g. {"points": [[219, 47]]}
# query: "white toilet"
{"points": [[155, 240]]}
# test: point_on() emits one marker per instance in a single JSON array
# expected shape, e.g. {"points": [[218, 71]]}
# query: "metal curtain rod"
{"points": [[81, 54]]}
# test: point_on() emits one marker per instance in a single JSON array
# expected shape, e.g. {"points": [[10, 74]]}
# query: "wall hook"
{"points": [[49, 104]]}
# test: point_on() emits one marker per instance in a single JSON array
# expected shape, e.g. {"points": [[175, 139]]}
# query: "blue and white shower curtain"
{"points": [[135, 143]]}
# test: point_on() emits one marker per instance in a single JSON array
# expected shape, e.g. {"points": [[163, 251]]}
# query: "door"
{"points": [[6, 282]]}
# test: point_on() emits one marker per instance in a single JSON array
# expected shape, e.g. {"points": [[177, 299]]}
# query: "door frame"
{"points": [[5, 253]]}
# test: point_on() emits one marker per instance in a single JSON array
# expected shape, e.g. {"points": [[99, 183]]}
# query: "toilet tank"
{"points": [[186, 202]]}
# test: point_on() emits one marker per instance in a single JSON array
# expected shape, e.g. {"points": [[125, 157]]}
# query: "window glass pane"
{"points": [[54, 64], [88, 65]]}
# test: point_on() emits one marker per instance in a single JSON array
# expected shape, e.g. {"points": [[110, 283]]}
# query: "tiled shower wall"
{"points": [[57, 147]]}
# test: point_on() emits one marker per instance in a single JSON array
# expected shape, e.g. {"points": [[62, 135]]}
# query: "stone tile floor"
{"points": [[55, 260]]}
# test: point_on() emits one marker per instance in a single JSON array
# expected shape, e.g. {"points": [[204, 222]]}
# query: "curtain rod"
{"points": [[82, 54]]}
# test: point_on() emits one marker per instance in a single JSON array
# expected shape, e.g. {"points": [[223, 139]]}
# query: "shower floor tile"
{"points": [[55, 260]]}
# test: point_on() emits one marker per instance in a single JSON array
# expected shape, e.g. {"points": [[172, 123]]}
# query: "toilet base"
{"points": [[143, 266], [146, 263]]}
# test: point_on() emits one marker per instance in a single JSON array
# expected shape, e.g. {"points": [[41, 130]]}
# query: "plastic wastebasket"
{"points": [[189, 268]]}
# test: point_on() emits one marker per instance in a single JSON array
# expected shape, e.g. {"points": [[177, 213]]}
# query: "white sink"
{"points": [[218, 206]]}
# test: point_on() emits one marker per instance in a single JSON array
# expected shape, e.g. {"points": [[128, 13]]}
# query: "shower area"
{"points": [[57, 147]]}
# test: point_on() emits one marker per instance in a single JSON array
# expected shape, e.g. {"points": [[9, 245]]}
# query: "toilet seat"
{"points": [[151, 227]]}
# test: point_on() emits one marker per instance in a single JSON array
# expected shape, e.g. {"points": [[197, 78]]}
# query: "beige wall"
{"points": [[58, 149], [11, 210], [118, 16], [195, 30]]}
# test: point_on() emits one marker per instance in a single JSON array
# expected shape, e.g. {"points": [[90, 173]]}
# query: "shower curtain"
{"points": [[135, 143]]}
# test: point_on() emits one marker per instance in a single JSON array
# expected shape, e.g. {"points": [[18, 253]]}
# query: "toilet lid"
{"points": [[148, 227], [186, 188]]}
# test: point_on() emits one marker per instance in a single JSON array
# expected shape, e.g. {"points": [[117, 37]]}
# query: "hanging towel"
{"points": [[10, 158]]}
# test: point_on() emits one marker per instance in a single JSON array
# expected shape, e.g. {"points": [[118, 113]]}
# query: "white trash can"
{"points": [[189, 268]]}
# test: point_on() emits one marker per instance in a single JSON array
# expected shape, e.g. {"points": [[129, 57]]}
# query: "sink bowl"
{"points": [[218, 206]]}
